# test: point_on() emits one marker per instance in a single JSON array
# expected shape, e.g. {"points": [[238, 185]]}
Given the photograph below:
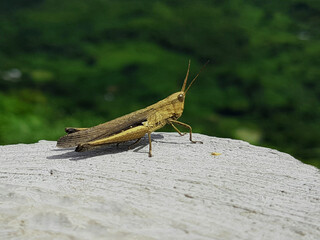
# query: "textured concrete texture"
{"points": [[182, 192]]}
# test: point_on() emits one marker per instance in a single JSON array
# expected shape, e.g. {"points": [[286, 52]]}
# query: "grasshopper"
{"points": [[132, 126]]}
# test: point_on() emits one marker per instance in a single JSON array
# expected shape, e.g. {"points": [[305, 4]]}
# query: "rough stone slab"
{"points": [[183, 192]]}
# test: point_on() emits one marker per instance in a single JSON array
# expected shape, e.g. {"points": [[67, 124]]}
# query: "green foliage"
{"points": [[80, 63]]}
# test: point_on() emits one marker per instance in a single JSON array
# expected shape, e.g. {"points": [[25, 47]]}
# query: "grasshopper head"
{"points": [[177, 101]]}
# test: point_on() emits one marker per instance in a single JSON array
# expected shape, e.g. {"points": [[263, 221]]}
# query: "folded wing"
{"points": [[104, 130]]}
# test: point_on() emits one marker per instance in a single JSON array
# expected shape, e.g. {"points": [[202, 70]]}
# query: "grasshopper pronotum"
{"points": [[132, 126]]}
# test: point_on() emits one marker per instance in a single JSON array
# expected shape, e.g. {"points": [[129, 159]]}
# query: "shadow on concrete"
{"points": [[103, 150]]}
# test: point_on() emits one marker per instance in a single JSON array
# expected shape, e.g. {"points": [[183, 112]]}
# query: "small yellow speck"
{"points": [[215, 154]]}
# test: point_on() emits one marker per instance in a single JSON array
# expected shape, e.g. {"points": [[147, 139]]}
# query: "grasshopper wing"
{"points": [[105, 129]]}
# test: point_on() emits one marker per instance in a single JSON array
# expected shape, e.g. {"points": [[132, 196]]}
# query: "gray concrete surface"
{"points": [[182, 192]]}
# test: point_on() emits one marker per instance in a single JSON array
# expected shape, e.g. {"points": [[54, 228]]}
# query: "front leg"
{"points": [[171, 121], [175, 128]]}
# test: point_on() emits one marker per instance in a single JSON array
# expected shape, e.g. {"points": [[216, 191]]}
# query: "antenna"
{"points": [[195, 76], [186, 78]]}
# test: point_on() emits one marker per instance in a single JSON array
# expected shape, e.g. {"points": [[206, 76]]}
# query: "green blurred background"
{"points": [[82, 62]]}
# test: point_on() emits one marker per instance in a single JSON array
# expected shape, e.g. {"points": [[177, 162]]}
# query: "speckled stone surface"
{"points": [[182, 192]]}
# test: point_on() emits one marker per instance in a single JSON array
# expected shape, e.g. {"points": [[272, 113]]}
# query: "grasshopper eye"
{"points": [[181, 97]]}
